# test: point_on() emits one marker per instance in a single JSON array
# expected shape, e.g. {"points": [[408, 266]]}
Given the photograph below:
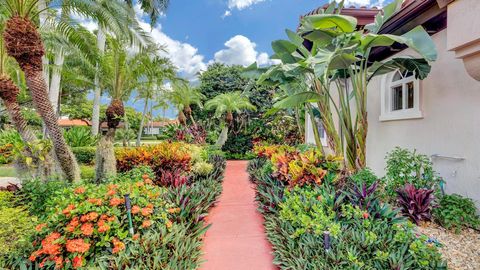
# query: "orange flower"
{"points": [[102, 227], [34, 255], [169, 224], [94, 201], [111, 192], [116, 201], [84, 218], [87, 229], [117, 245], [112, 186], [174, 210], [139, 184], [136, 236], [146, 223], [135, 209], [110, 219], [365, 215], [79, 190], [58, 262], [147, 211], [77, 245], [145, 176], [77, 262], [40, 227], [148, 181], [67, 210], [50, 248], [92, 216]]}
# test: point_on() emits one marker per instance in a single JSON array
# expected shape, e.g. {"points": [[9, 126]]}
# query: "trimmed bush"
{"points": [[85, 155]]}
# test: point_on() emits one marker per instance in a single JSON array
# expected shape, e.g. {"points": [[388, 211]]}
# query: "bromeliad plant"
{"points": [[336, 62], [416, 204]]}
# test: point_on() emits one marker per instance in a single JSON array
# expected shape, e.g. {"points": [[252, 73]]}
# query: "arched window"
{"points": [[400, 95]]}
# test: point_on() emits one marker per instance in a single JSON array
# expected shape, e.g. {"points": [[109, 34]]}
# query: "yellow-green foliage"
{"points": [[202, 168], [16, 226]]}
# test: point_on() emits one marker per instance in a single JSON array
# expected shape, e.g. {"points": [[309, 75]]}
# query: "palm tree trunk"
{"points": [[23, 42], [222, 138], [101, 40], [105, 162], [140, 130], [54, 91]]}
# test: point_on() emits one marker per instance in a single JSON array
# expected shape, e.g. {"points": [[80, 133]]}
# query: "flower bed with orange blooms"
{"points": [[90, 220]]}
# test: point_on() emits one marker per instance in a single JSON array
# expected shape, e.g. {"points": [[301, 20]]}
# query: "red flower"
{"points": [[77, 262], [92, 216], [87, 229], [135, 209], [136, 236], [39, 227], [145, 176], [117, 245], [102, 227], [34, 255], [67, 210], [58, 262], [115, 201], [111, 192], [77, 245], [79, 190], [146, 223], [147, 211], [365, 215]]}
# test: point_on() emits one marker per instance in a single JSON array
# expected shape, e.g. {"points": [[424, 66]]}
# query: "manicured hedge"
{"points": [[85, 155]]}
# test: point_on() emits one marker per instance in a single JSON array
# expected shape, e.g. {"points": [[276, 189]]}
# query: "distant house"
{"points": [[66, 123], [438, 116], [155, 127]]}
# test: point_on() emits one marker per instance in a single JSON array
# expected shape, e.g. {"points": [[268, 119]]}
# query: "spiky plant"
{"points": [[416, 204]]}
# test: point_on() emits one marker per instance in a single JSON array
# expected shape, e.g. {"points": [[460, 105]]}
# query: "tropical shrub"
{"points": [[202, 168], [160, 157], [36, 195], [84, 155], [364, 176], [456, 212], [79, 137], [416, 204], [409, 167], [88, 220], [9, 140], [16, 227]]}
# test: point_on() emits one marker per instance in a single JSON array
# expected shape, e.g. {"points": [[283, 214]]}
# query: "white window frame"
{"points": [[387, 85]]}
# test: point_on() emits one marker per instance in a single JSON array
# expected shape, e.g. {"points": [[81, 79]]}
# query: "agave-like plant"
{"points": [[416, 204]]}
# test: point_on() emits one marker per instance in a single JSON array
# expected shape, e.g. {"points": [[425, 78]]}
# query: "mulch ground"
{"points": [[462, 251]]}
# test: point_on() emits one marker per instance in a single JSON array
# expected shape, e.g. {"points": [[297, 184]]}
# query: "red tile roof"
{"points": [[73, 123]]}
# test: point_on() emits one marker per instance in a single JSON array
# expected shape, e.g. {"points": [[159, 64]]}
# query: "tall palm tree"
{"points": [[183, 96], [121, 71], [23, 42], [154, 8], [226, 104], [157, 70]]}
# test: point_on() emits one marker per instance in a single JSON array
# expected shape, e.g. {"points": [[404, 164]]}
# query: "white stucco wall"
{"points": [[450, 102]]}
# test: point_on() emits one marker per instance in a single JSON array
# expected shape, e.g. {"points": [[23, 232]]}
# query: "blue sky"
{"points": [[196, 33]]}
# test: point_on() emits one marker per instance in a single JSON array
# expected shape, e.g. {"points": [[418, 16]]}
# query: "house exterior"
{"points": [[155, 127], [440, 115]]}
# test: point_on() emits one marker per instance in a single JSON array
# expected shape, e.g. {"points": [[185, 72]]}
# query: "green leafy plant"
{"points": [[79, 137], [364, 176], [84, 155], [409, 167], [456, 212]]}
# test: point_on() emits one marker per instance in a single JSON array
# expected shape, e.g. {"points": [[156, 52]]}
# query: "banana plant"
{"points": [[331, 56]]}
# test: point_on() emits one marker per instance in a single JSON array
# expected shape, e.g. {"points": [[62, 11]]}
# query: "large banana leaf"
{"points": [[297, 100], [419, 66], [382, 17], [340, 23], [417, 39], [283, 51]]}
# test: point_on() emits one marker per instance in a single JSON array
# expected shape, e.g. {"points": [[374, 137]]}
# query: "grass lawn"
{"points": [[7, 171]]}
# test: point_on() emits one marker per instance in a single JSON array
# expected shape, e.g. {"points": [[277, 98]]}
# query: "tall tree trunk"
{"points": [[23, 43], [222, 138], [101, 39], [140, 130], [54, 92], [41, 168], [105, 162]]}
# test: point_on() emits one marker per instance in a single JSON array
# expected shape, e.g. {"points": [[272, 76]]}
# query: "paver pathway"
{"points": [[236, 240]]}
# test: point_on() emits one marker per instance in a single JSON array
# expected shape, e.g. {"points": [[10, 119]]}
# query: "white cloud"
{"points": [[226, 14], [241, 51], [242, 4]]}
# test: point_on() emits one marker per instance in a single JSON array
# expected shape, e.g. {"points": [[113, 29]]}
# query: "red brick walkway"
{"points": [[236, 240]]}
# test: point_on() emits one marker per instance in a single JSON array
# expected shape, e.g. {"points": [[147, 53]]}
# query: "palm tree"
{"points": [[183, 96], [226, 104], [154, 8], [121, 71], [157, 70], [23, 42]]}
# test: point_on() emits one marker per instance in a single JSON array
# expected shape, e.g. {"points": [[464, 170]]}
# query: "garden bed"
{"points": [[86, 224]]}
